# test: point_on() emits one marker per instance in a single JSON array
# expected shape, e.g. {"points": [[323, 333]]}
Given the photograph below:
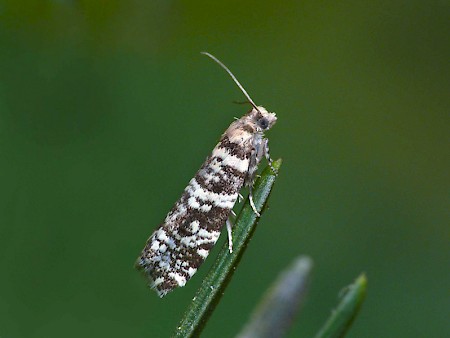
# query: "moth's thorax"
{"points": [[256, 121]]}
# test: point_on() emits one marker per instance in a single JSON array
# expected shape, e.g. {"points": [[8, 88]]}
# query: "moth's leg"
{"points": [[240, 198], [252, 167], [233, 213], [250, 198], [230, 239], [250, 179], [255, 157], [267, 153]]}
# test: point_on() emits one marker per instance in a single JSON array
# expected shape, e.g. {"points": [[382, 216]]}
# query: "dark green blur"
{"points": [[107, 109]]}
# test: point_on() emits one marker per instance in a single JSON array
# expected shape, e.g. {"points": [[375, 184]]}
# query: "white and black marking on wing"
{"points": [[178, 247]]}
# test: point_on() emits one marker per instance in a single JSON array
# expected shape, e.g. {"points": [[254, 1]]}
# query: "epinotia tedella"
{"points": [[177, 248]]}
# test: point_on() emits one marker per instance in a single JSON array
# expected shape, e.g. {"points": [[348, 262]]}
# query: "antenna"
{"points": [[233, 77]]}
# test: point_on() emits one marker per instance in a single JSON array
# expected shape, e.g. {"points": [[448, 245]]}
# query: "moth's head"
{"points": [[262, 120]]}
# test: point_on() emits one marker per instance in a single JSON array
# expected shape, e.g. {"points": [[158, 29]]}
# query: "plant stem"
{"points": [[214, 284]]}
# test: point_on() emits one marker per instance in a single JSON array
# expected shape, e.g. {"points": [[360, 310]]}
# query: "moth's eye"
{"points": [[263, 123]]}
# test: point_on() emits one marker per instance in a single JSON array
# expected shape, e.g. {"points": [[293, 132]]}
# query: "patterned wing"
{"points": [[179, 246]]}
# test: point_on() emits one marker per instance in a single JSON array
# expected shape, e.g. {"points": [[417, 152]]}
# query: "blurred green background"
{"points": [[107, 109]]}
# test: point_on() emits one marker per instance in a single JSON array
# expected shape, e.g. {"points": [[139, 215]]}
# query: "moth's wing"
{"points": [[179, 246]]}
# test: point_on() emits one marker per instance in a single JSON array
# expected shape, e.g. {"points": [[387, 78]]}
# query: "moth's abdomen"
{"points": [[179, 246]]}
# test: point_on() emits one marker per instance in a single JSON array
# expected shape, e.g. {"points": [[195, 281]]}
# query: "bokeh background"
{"points": [[107, 109]]}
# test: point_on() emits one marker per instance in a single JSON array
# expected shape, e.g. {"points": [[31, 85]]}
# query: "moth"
{"points": [[179, 245]]}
